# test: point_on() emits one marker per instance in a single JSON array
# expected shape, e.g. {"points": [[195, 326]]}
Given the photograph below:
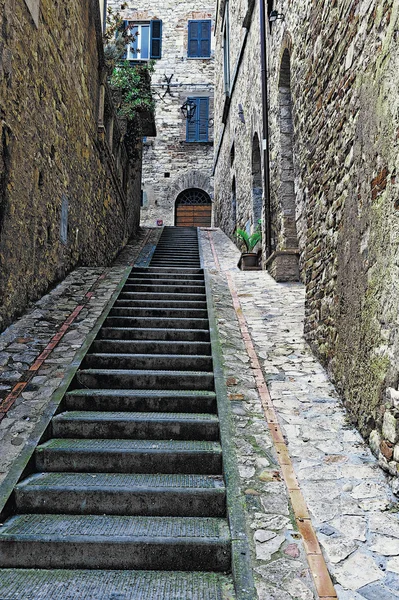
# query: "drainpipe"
{"points": [[265, 119], [104, 15]]}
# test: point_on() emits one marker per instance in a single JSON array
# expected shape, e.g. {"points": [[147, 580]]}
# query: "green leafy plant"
{"points": [[130, 82], [133, 82], [249, 241]]}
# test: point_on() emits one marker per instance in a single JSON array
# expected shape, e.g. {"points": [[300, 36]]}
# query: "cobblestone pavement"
{"points": [[350, 502], [24, 340]]}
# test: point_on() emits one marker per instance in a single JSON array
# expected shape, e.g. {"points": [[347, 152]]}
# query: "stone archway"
{"points": [[190, 180], [193, 208], [288, 234], [283, 262]]}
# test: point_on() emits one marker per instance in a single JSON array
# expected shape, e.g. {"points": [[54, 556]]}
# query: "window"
{"points": [[147, 42], [34, 9], [226, 50], [199, 39], [197, 129]]}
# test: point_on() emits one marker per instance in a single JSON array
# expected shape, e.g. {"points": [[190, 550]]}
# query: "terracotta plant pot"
{"points": [[249, 260]]}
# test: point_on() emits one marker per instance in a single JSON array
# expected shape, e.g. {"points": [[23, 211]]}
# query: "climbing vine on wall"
{"points": [[133, 83], [130, 82]]}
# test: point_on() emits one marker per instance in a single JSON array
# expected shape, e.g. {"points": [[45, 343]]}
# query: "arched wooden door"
{"points": [[193, 209]]}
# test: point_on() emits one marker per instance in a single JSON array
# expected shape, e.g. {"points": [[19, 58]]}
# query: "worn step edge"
{"points": [[155, 333], [122, 494], [110, 541], [33, 584], [156, 322], [150, 378], [172, 362], [172, 348], [129, 456], [145, 400], [136, 425]]}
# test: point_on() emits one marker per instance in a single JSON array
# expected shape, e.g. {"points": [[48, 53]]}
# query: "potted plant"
{"points": [[249, 259]]}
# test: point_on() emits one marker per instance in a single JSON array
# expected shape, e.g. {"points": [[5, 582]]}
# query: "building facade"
{"points": [[68, 189], [177, 186], [322, 152]]}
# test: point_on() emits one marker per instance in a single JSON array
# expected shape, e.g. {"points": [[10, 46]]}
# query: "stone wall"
{"points": [[347, 126], [341, 130], [238, 167], [63, 181], [167, 158]]}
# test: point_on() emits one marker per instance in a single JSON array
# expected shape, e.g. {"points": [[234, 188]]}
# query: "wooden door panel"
{"points": [[194, 215]]}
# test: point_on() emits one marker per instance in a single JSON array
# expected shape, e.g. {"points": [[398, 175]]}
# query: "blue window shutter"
{"points": [[197, 129], [199, 39], [192, 126], [193, 38], [156, 38], [203, 117], [205, 39]]}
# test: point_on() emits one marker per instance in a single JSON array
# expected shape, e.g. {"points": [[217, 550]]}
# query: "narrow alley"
{"points": [[199, 282], [124, 495]]}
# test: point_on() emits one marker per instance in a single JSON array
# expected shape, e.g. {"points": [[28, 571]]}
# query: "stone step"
{"points": [[156, 275], [162, 334], [148, 302], [157, 322], [136, 425], [122, 494], [149, 311], [176, 262], [150, 380], [29, 584], [163, 288], [173, 251], [115, 542], [180, 255], [164, 362], [141, 400], [151, 347], [129, 456], [162, 296], [176, 270], [165, 281]]}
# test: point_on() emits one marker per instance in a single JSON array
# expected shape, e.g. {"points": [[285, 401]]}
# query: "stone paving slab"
{"points": [[278, 556], [350, 502], [24, 340]]}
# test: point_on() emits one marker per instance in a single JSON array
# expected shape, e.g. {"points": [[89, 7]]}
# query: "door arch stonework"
{"points": [[193, 208]]}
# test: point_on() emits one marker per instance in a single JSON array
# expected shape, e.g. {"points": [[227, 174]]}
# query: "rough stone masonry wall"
{"points": [[170, 164], [50, 151], [345, 109], [234, 142], [345, 79]]}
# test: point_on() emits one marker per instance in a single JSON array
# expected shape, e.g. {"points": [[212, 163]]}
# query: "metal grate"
{"points": [[192, 197]]}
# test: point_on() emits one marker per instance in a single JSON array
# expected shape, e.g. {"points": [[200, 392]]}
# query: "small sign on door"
{"points": [[159, 222]]}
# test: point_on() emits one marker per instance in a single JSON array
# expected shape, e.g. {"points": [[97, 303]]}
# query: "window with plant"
{"points": [[130, 81]]}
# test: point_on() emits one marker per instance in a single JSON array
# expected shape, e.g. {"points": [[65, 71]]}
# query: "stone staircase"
{"points": [[125, 496]]}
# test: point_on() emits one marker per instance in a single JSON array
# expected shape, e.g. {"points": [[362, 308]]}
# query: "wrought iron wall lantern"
{"points": [[275, 15], [188, 109]]}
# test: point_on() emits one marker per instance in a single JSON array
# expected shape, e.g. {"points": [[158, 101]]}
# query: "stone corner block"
{"points": [[390, 427], [374, 442], [392, 397], [283, 265]]}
